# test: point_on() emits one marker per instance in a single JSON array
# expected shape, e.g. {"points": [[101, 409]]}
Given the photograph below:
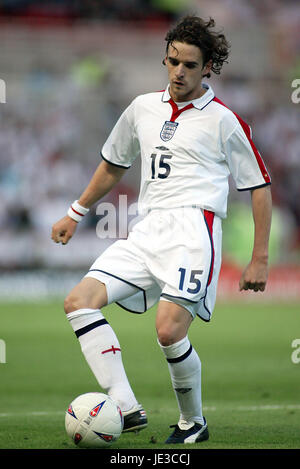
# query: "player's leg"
{"points": [[101, 347], [188, 278], [89, 291], [117, 275], [172, 324]]}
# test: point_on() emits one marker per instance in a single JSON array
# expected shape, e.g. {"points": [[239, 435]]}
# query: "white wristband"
{"points": [[77, 212]]}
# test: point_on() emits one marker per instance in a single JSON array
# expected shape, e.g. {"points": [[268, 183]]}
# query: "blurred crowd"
{"points": [[149, 10], [120, 10], [48, 150]]}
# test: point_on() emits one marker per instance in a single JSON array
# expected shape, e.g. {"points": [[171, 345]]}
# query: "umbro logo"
{"points": [[162, 148], [183, 390]]}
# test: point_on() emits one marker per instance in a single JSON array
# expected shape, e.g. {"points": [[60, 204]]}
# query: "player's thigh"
{"points": [[172, 322], [89, 293]]}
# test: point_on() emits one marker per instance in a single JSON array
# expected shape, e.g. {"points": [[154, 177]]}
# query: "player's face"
{"points": [[185, 69]]}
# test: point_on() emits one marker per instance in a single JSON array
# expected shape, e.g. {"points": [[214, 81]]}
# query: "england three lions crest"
{"points": [[168, 130]]}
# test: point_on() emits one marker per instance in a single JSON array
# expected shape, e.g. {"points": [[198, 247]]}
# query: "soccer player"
{"points": [[189, 142]]}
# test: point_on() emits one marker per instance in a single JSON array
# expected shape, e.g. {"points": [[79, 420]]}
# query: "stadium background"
{"points": [[70, 69]]}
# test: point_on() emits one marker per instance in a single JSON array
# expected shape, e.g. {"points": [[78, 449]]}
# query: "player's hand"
{"points": [[63, 230], [254, 276]]}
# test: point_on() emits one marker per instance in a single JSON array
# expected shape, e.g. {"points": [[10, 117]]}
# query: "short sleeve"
{"points": [[122, 146], [244, 160]]}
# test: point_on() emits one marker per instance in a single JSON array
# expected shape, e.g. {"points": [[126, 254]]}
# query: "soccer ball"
{"points": [[94, 420]]}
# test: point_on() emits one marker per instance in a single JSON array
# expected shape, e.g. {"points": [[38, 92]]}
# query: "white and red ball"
{"points": [[94, 420]]}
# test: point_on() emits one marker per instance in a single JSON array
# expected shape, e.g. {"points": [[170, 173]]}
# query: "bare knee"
{"points": [[89, 293], [166, 336], [73, 302], [172, 323], [169, 333]]}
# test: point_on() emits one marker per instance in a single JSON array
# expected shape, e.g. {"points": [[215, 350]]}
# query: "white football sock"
{"points": [[102, 351], [185, 370]]}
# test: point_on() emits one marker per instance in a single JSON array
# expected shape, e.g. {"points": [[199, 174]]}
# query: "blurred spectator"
{"points": [[61, 112]]}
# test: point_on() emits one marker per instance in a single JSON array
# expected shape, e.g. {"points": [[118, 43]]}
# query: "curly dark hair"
{"points": [[213, 44]]}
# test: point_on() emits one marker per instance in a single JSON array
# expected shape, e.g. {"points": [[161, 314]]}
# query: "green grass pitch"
{"points": [[251, 387]]}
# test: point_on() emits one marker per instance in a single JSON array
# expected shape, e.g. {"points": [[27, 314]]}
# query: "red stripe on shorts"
{"points": [[209, 218]]}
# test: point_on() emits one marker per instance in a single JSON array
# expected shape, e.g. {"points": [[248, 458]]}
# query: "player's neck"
{"points": [[187, 98]]}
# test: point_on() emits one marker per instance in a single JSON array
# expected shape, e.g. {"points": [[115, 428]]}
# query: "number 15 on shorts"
{"points": [[192, 281]]}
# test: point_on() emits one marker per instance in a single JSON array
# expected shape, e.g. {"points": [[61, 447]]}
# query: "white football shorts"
{"points": [[172, 255]]}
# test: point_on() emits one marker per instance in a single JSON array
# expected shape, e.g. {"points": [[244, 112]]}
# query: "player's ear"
{"points": [[164, 61], [207, 69]]}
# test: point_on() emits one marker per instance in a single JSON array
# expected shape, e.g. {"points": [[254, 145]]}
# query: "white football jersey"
{"points": [[187, 153]]}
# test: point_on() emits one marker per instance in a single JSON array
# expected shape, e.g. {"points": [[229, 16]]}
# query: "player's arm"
{"points": [[103, 180], [255, 275]]}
